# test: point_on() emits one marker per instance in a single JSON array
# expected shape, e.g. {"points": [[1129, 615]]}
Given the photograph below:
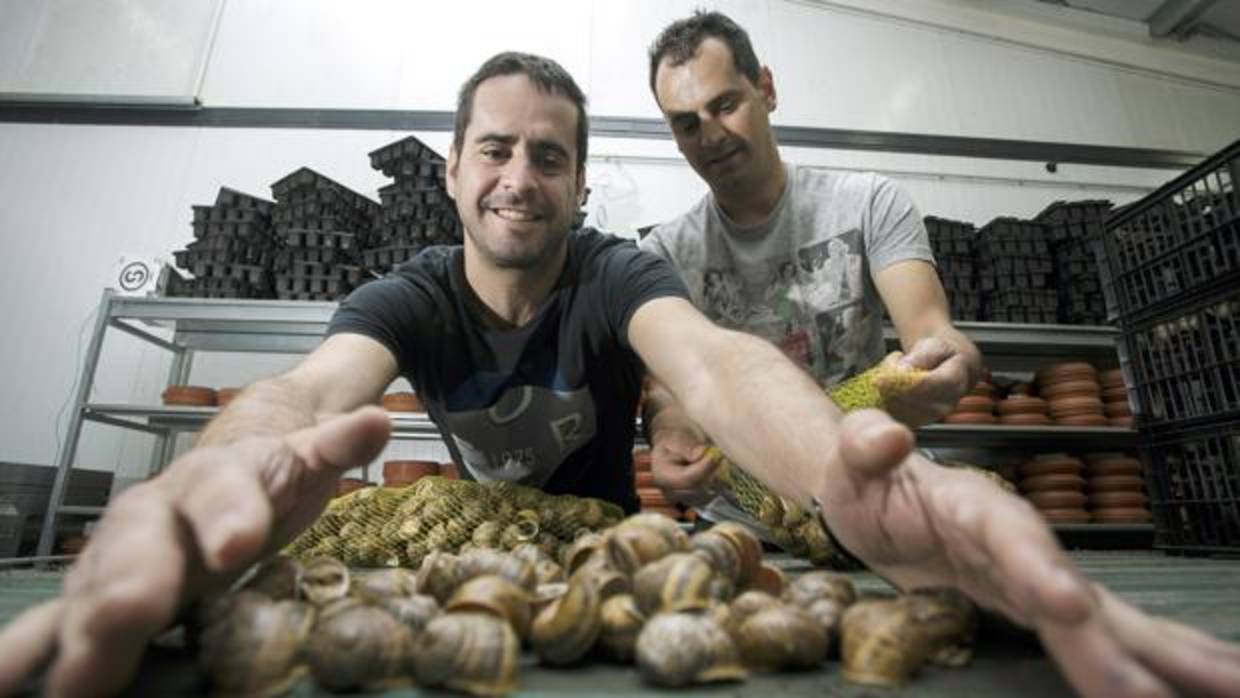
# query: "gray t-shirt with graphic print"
{"points": [[802, 278]]}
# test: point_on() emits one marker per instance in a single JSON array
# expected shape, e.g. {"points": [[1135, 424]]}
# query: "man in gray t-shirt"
{"points": [[804, 258]]}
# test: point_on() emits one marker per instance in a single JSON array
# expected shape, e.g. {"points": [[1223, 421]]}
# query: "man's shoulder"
{"points": [[668, 236], [836, 182]]}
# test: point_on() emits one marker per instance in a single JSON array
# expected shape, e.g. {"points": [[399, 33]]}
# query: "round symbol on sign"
{"points": [[134, 276]]}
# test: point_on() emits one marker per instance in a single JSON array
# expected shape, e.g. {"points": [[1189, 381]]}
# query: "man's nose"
{"points": [[713, 133], [518, 174]]}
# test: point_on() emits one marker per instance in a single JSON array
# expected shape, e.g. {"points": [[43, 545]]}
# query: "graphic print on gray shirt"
{"points": [[802, 279]]}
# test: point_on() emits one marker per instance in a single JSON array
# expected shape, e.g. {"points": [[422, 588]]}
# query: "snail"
{"points": [[471, 652], [950, 621], [629, 547], [621, 621], [677, 649], [323, 580], [252, 645], [583, 547], [439, 575], [825, 595], [608, 581], [748, 546], [490, 593], [781, 637], [487, 534], [744, 605], [544, 594], [476, 563], [395, 582], [358, 644], [567, 628], [278, 577], [719, 551], [768, 578], [678, 582], [881, 645], [415, 611]]}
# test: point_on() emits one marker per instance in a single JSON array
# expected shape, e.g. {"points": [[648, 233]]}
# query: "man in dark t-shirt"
{"points": [[516, 338]]}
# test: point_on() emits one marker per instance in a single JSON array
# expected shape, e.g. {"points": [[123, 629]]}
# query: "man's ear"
{"points": [[766, 85], [581, 187], [450, 173]]}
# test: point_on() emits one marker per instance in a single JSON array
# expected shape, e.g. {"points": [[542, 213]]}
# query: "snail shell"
{"points": [[630, 547], [471, 652], [544, 594], [781, 637], [548, 571], [567, 628], [476, 563], [747, 545], [583, 547], [950, 620], [813, 586], [746, 604], [881, 645], [496, 595], [621, 620], [252, 646], [356, 643], [770, 579], [415, 611], [678, 582], [278, 577], [677, 649], [439, 575], [389, 583], [718, 550], [487, 534], [608, 581], [323, 580], [676, 538]]}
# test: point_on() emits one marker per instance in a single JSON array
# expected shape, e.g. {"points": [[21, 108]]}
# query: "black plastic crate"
{"points": [[1186, 365], [1194, 481], [1181, 240]]}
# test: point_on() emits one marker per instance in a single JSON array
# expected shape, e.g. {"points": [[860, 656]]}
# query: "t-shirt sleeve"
{"points": [[633, 278], [895, 231], [385, 311]]}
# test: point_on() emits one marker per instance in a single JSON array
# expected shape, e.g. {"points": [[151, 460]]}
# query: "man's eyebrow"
{"points": [[710, 105], [549, 145], [503, 138]]}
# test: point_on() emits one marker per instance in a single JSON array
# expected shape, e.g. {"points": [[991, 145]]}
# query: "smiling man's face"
{"points": [[515, 179], [721, 120]]}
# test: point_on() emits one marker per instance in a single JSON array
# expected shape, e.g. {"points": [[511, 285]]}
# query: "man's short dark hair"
{"points": [[547, 75], [679, 41]]}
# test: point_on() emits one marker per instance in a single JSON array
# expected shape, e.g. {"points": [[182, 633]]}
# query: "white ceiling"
{"points": [[1208, 27]]}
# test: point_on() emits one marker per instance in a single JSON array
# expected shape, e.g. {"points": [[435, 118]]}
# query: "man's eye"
{"points": [[728, 107], [492, 153]]}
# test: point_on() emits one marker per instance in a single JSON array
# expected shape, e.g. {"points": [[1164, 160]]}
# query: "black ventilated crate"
{"points": [[1186, 363], [1182, 239], [1194, 483]]}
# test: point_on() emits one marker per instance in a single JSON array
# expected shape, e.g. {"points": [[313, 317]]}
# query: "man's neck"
{"points": [[509, 298], [748, 205]]}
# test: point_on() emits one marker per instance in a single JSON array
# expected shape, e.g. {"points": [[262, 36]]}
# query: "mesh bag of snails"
{"points": [[400, 526], [684, 609]]}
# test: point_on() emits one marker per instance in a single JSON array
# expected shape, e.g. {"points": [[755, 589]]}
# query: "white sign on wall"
{"points": [[135, 276]]}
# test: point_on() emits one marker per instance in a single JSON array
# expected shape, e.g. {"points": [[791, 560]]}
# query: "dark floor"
{"points": [[1204, 593]]}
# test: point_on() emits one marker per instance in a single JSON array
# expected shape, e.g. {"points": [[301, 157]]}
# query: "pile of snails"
{"points": [[686, 609]]}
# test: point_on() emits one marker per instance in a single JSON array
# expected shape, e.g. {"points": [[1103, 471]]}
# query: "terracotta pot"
{"points": [[1026, 420], [1121, 422], [349, 484], [1058, 481], [1116, 466], [1057, 499], [1021, 389], [975, 404], [1112, 377], [1082, 420], [1117, 499], [1021, 404], [189, 395], [641, 460], [1117, 483], [1073, 388], [1071, 406], [1065, 516], [1058, 465], [409, 470], [1116, 409], [1121, 515], [1064, 371], [402, 402], [984, 389], [969, 418], [1114, 394], [644, 478], [450, 471], [223, 396], [397, 482]]}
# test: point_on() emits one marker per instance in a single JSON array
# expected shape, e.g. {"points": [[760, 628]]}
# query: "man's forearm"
{"points": [[663, 413], [272, 407]]}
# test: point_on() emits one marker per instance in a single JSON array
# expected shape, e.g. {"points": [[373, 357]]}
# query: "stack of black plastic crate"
{"points": [[416, 209], [1174, 260], [319, 225], [1015, 272], [1076, 229], [952, 243], [231, 252]]}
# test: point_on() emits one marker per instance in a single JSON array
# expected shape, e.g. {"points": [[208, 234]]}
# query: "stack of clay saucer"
{"points": [[1072, 394], [1023, 410], [1117, 489], [1053, 484], [401, 473], [346, 485], [1115, 398], [189, 396], [449, 470], [652, 498], [223, 396], [402, 402], [978, 407]]}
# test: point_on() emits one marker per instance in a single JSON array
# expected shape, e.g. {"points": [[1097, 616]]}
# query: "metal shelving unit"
{"points": [[284, 327]]}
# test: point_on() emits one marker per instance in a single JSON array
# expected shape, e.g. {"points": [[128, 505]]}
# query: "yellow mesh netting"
{"points": [[390, 526]]}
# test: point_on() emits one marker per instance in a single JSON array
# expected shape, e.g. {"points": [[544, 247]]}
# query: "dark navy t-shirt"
{"points": [[550, 404]]}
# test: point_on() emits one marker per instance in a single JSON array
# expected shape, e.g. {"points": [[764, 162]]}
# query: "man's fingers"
{"points": [[27, 642], [687, 476], [928, 353], [1095, 663], [229, 512], [343, 442], [127, 593]]}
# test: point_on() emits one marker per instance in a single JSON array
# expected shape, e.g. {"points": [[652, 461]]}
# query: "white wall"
{"points": [[75, 198]]}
